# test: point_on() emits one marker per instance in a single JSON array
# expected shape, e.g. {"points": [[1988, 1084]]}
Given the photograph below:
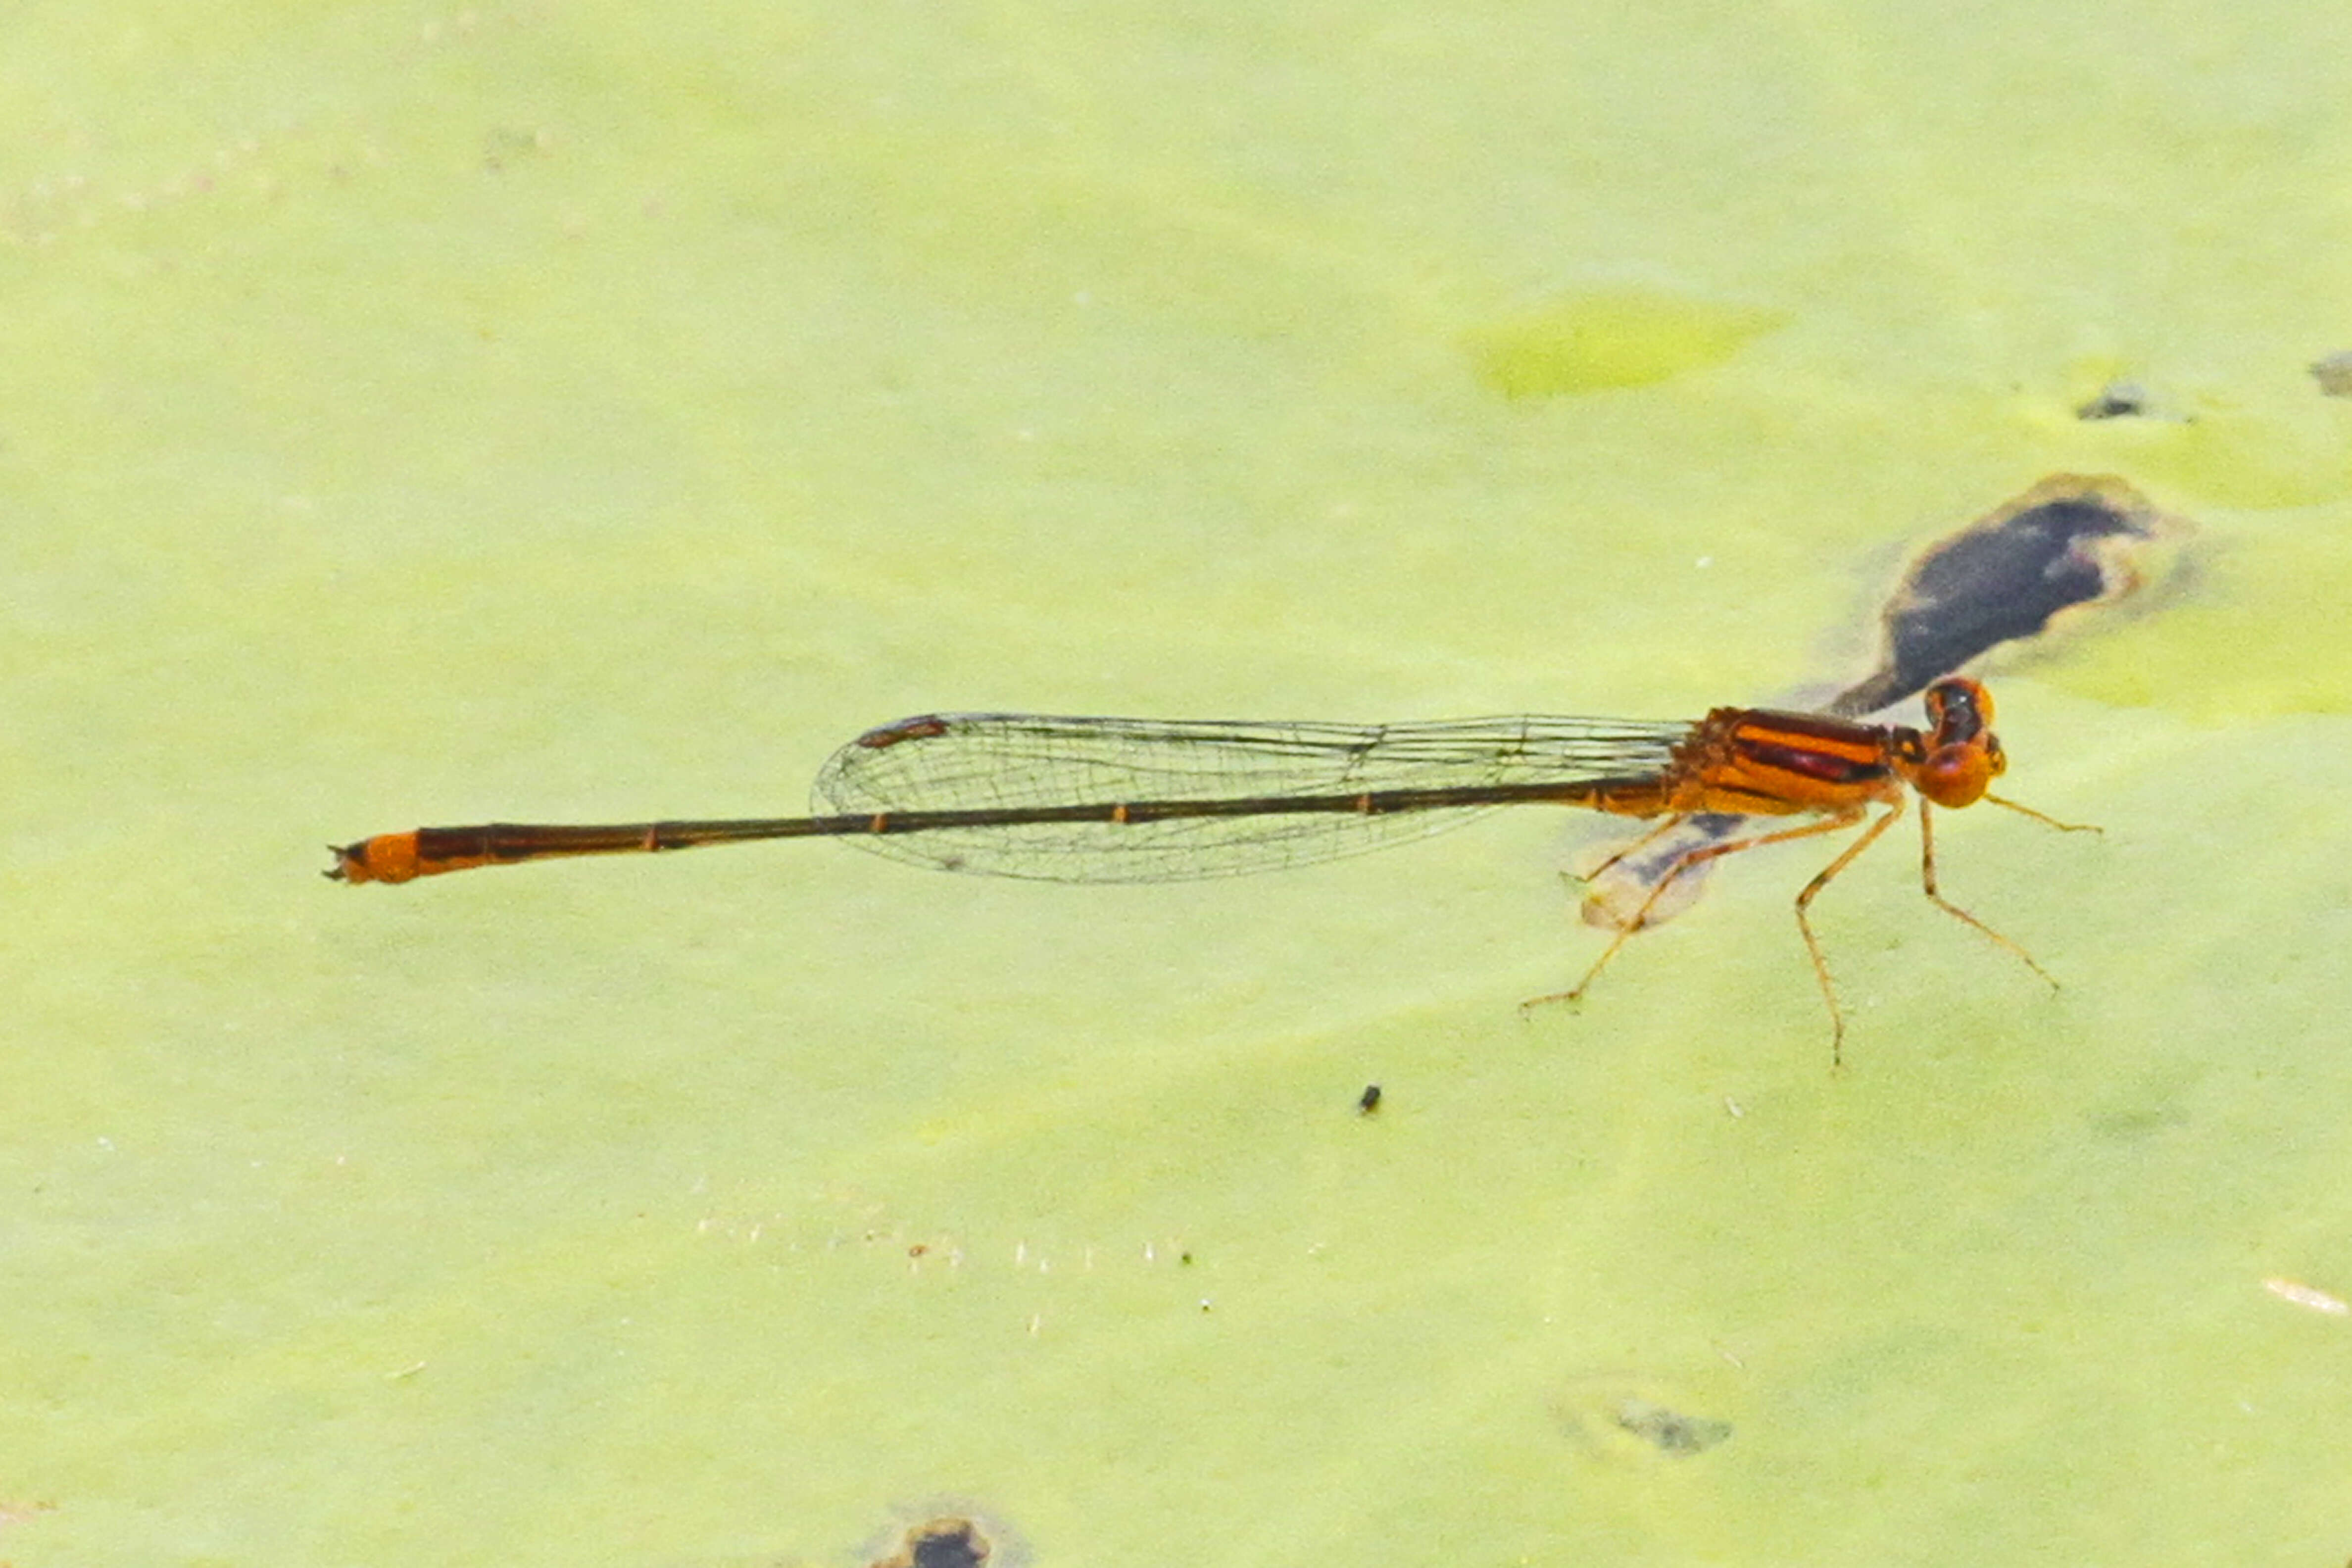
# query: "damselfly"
{"points": [[1143, 800]]}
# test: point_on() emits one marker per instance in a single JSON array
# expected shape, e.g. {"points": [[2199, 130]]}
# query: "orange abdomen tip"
{"points": [[386, 857]]}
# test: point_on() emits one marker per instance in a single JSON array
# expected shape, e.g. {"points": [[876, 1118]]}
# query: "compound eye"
{"points": [[1957, 709]]}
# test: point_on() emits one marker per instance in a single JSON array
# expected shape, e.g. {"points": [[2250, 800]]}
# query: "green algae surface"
{"points": [[575, 411]]}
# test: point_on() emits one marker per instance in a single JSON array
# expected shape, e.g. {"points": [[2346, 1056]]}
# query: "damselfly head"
{"points": [[1960, 757]]}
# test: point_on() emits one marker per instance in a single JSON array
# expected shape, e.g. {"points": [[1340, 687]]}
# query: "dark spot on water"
{"points": [[1619, 1415], [945, 1543], [2071, 541], [2118, 400], [1669, 1431]]}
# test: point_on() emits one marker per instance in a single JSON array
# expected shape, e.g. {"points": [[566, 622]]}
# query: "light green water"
{"points": [[587, 410]]}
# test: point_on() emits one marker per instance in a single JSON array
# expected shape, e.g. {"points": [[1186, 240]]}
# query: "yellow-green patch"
{"points": [[566, 409]]}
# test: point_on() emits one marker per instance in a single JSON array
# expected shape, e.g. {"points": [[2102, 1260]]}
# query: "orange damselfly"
{"points": [[1142, 800]]}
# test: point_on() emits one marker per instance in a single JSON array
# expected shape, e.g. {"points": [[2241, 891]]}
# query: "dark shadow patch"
{"points": [[2070, 543], [2118, 400], [1669, 1431], [949, 1542], [1620, 1418]]}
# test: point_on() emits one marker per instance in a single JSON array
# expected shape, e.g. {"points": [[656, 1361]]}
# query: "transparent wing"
{"points": [[980, 762]]}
